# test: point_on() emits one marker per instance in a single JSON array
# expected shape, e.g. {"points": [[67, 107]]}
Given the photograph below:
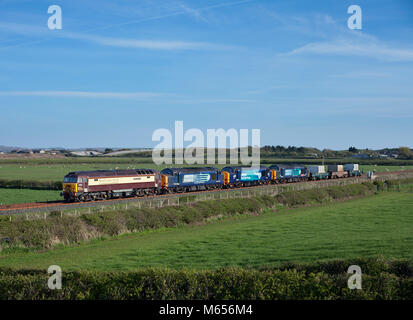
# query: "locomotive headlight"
{"points": [[70, 188]]}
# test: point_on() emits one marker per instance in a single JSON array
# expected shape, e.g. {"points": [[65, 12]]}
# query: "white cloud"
{"points": [[361, 74], [142, 96], [193, 12], [28, 30], [367, 49], [82, 94], [267, 89], [145, 44]]}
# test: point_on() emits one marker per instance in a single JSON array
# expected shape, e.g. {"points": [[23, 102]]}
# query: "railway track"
{"points": [[61, 205]]}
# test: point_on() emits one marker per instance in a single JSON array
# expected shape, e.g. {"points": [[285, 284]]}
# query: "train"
{"points": [[111, 184]]}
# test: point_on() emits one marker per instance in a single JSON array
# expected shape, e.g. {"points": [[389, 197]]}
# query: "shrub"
{"points": [[30, 184], [323, 280]]}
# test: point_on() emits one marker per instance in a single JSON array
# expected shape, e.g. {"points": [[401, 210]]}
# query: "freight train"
{"points": [[110, 184]]}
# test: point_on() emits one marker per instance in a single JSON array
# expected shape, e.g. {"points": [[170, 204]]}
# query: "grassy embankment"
{"points": [[377, 225]]}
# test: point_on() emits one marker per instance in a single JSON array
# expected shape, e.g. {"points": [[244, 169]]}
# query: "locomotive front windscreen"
{"points": [[70, 179]]}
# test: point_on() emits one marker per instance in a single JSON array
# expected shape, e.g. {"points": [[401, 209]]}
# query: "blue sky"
{"points": [[118, 70]]}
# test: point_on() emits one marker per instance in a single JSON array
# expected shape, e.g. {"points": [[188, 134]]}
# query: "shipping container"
{"points": [[316, 169], [351, 167], [335, 168]]}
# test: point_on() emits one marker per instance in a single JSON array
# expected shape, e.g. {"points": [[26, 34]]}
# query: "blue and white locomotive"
{"points": [[245, 176], [190, 179]]}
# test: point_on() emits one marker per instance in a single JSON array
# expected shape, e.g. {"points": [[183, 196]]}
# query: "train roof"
{"points": [[229, 168], [188, 170], [287, 166], [100, 173]]}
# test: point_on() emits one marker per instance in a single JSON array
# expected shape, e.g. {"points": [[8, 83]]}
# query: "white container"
{"points": [[316, 169]]}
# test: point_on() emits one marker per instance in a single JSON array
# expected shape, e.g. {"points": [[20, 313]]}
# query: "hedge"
{"points": [[390, 184], [43, 233], [31, 184], [328, 280]]}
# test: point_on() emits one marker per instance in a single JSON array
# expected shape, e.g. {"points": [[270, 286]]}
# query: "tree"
{"points": [[352, 149], [405, 152]]}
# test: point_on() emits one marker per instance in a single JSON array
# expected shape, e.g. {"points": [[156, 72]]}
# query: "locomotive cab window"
{"points": [[69, 179]]}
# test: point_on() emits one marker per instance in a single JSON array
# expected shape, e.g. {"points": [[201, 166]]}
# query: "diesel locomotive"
{"points": [[107, 184]]}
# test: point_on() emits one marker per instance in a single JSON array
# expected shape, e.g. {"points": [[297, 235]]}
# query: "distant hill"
{"points": [[8, 149]]}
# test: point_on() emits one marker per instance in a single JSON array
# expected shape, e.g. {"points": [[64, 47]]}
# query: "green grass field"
{"points": [[56, 172], [377, 225], [10, 196]]}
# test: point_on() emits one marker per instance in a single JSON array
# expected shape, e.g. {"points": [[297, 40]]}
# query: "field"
{"points": [[40, 171], [55, 170], [11, 196], [368, 227]]}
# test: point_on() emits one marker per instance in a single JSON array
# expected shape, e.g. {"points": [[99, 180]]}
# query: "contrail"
{"points": [[177, 13]]}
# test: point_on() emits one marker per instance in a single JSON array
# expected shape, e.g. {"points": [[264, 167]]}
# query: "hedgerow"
{"points": [[44, 233], [323, 280], [31, 184]]}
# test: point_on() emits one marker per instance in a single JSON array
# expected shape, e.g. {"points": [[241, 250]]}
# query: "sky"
{"points": [[119, 70]]}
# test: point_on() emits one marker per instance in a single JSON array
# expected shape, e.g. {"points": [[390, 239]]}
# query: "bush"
{"points": [[28, 184], [324, 280]]}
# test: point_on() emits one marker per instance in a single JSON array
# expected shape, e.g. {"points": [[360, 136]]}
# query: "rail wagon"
{"points": [[353, 169], [337, 171], [190, 179], [245, 176], [317, 173], [281, 173], [107, 184]]}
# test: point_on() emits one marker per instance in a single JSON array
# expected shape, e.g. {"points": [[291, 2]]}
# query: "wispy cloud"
{"points": [[193, 12], [146, 44], [28, 30], [180, 11], [143, 96], [315, 25], [335, 38], [361, 75], [350, 48], [82, 94], [267, 89]]}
